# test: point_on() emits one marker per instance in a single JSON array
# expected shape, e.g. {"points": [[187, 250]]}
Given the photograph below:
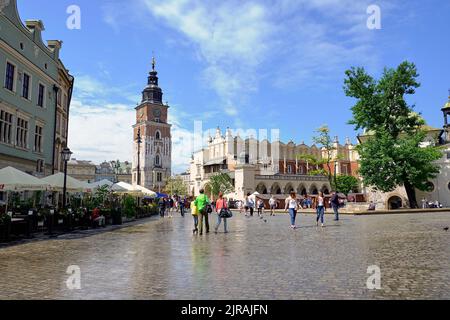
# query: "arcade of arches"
{"points": [[277, 188]]}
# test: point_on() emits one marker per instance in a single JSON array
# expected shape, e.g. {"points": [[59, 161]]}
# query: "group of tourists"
{"points": [[293, 205], [201, 207], [171, 204]]}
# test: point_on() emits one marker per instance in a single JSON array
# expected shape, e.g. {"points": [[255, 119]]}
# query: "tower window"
{"points": [[158, 135], [157, 160]]}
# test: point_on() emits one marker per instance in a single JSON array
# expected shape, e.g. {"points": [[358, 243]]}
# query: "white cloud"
{"points": [[100, 131], [230, 37]]}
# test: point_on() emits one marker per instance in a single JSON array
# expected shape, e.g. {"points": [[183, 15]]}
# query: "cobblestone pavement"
{"points": [[161, 259]]}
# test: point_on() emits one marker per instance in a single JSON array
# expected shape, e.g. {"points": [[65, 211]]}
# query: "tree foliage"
{"points": [[220, 182], [346, 184], [176, 185], [393, 155]]}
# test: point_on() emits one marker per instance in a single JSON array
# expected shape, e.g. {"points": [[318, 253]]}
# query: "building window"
{"points": [[26, 86], [59, 95], [22, 133], [158, 135], [448, 186], [41, 95], [40, 166], [157, 160], [159, 177], [6, 123], [289, 169], [58, 123], [38, 139], [9, 79], [65, 102]]}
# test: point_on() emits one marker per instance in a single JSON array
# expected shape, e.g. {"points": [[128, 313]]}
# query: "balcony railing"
{"points": [[291, 177]]}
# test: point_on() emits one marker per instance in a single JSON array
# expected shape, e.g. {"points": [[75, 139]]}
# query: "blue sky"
{"points": [[239, 64]]}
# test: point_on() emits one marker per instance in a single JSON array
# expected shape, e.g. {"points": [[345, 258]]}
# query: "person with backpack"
{"points": [[202, 202], [222, 213], [335, 204]]}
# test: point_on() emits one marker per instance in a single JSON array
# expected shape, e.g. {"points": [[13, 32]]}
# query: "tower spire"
{"points": [[153, 61]]}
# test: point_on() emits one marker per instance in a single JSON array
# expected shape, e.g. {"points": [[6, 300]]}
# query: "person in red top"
{"points": [[97, 217], [221, 204]]}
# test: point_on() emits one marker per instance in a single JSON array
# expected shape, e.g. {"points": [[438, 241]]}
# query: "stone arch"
{"points": [[261, 188], [288, 188], [395, 202], [325, 189], [275, 189], [313, 190], [301, 190]]}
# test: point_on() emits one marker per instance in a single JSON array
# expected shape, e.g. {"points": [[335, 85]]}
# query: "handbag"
{"points": [[225, 212]]}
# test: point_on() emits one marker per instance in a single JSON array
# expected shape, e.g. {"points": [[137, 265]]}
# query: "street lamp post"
{"points": [[139, 141], [66, 154]]}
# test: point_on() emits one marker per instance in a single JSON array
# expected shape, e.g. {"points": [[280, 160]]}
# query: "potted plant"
{"points": [[129, 207], [5, 227]]}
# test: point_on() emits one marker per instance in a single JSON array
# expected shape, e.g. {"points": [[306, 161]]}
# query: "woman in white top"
{"points": [[273, 205], [320, 209], [292, 206]]}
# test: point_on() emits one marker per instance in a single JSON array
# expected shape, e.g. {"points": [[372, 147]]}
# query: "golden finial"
{"points": [[153, 61]]}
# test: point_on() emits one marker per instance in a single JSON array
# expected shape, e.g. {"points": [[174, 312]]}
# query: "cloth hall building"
{"points": [[266, 167]]}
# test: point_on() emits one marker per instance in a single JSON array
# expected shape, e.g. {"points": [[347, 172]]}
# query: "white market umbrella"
{"points": [[146, 191], [12, 179], [56, 182], [123, 187], [102, 183]]}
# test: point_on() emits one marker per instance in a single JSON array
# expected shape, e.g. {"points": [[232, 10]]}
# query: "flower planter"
{"points": [[5, 231]]}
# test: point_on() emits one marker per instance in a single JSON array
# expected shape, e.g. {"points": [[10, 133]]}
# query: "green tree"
{"points": [[220, 182], [346, 184], [176, 185], [392, 155]]}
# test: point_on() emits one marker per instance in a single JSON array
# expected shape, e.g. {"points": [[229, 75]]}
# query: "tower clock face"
{"points": [[157, 112]]}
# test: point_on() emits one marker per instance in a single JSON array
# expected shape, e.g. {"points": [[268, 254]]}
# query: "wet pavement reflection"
{"points": [[161, 259]]}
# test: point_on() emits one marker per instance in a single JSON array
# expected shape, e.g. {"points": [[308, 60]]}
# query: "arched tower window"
{"points": [[158, 160], [158, 135]]}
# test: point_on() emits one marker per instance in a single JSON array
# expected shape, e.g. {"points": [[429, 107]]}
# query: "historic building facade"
{"points": [[152, 158], [82, 170], [265, 167], [34, 97]]}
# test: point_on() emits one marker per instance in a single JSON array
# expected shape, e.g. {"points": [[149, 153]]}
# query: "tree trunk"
{"points": [[411, 192]]}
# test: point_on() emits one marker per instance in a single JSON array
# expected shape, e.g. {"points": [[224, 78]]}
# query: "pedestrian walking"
{"points": [[182, 205], [292, 207], [320, 209], [201, 202], [194, 212], [171, 207], [335, 203], [222, 213], [249, 205], [273, 203], [162, 207], [260, 205]]}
